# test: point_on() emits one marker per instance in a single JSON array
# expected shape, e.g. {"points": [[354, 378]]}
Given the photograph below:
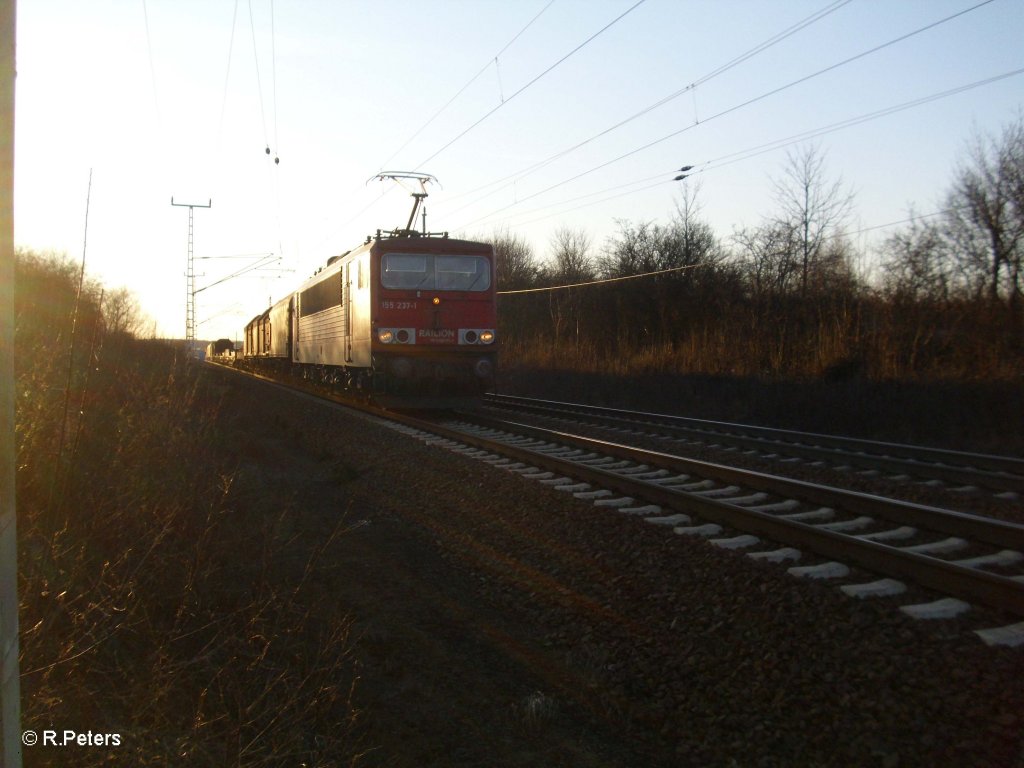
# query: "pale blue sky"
{"points": [[346, 85]]}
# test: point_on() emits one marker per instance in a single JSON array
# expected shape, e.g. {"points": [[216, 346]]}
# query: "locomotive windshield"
{"points": [[437, 273]]}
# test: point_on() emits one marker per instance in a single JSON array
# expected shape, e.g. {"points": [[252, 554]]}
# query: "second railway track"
{"points": [[1002, 475], [815, 530], [935, 563]]}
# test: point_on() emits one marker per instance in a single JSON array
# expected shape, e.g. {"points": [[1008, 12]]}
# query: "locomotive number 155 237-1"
{"points": [[399, 304]]}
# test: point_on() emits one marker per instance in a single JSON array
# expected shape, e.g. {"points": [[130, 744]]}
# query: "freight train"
{"points": [[220, 350], [407, 318]]}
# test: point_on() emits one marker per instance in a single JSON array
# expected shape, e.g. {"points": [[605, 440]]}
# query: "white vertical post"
{"points": [[10, 684]]}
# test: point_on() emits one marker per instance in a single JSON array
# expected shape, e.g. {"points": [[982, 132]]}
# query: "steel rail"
{"points": [[942, 576], [990, 589], [989, 530], [1001, 473]]}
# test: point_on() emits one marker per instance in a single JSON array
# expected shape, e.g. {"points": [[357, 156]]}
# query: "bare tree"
{"points": [[121, 312], [767, 260], [516, 263], [813, 210], [917, 263], [986, 218], [571, 260], [570, 263], [633, 251], [690, 240]]}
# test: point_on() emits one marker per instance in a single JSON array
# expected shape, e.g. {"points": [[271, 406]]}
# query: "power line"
{"points": [[739, 106], [850, 122], [262, 261], [908, 220], [600, 282], [259, 84], [436, 115], [696, 266], [538, 77], [746, 154], [273, 180], [662, 180], [152, 69], [471, 81], [273, 72], [230, 256], [759, 48], [442, 109], [764, 45], [227, 77]]}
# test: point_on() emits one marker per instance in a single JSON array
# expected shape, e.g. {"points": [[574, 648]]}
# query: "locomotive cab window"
{"points": [[428, 272], [402, 270]]}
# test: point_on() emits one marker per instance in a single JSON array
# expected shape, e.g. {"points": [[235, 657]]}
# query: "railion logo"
{"points": [[435, 336]]}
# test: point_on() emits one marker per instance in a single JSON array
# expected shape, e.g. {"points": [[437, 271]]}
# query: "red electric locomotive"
{"points": [[407, 317]]}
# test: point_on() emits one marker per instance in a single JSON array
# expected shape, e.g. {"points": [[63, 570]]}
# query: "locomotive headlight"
{"points": [[436, 300], [476, 336], [396, 335]]}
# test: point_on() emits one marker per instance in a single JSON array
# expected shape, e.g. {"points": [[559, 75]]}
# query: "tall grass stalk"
{"points": [[158, 601]]}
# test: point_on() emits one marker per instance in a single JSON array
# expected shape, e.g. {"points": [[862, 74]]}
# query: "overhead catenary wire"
{"points": [[273, 72], [433, 117], [227, 76], [908, 220], [734, 62], [750, 152], [259, 83], [741, 105], [551, 68], [760, 47], [273, 178], [152, 68], [472, 80], [859, 119], [662, 178], [263, 260], [235, 310], [770, 42], [602, 281]]}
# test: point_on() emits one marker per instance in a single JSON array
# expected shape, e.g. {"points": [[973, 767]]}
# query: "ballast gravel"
{"points": [[499, 622]]}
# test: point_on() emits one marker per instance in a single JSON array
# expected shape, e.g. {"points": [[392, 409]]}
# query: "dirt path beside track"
{"points": [[499, 623]]}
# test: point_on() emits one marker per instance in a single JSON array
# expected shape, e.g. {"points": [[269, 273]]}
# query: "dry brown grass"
{"points": [[851, 336], [157, 602]]}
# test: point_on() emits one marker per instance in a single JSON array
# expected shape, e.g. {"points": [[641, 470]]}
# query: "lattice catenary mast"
{"points": [[190, 275]]}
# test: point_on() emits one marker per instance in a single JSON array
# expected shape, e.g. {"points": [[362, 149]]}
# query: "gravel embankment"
{"points": [[977, 501], [500, 623]]}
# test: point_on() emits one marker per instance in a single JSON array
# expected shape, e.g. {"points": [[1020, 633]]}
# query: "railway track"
{"points": [[1002, 475], [876, 547], [934, 563]]}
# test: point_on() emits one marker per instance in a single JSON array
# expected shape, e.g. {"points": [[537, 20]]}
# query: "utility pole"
{"points": [[10, 680], [190, 277]]}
